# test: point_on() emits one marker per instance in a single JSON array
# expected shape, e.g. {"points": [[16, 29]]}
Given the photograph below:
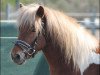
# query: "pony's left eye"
{"points": [[33, 29]]}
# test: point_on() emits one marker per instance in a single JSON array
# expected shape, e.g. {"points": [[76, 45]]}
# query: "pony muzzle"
{"points": [[19, 58]]}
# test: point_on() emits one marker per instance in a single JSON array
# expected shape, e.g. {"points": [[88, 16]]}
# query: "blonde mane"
{"points": [[75, 41]]}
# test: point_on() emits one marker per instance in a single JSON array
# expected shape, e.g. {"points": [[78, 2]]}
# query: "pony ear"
{"points": [[40, 11], [21, 5]]}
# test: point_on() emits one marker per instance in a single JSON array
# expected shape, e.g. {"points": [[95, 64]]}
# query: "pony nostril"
{"points": [[17, 56]]}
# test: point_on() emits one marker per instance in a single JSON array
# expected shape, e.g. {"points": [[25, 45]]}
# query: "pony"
{"points": [[68, 47]]}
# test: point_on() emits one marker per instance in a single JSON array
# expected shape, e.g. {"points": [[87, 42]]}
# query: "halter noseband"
{"points": [[27, 48]]}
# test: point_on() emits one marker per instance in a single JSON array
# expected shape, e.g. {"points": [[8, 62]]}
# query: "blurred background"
{"points": [[78, 8], [85, 11]]}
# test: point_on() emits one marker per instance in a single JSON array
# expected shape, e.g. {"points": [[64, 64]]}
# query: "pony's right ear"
{"points": [[40, 11], [21, 5]]}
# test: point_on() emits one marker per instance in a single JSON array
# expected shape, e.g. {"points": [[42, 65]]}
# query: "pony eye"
{"points": [[33, 29]]}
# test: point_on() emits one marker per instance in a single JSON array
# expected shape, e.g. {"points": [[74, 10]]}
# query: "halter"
{"points": [[27, 48]]}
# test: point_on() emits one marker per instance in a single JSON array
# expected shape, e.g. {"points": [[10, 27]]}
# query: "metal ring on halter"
{"points": [[33, 52]]}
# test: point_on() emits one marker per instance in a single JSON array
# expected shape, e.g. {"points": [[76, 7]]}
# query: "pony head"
{"points": [[31, 38]]}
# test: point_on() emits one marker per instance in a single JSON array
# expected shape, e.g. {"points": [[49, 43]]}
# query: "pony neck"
{"points": [[57, 62]]}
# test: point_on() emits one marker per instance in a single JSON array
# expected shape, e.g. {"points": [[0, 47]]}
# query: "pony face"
{"points": [[31, 38]]}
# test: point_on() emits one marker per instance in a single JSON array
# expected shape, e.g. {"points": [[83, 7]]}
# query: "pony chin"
{"points": [[20, 62]]}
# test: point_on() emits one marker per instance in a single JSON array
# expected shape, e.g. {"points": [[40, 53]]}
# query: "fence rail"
{"points": [[8, 37]]}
